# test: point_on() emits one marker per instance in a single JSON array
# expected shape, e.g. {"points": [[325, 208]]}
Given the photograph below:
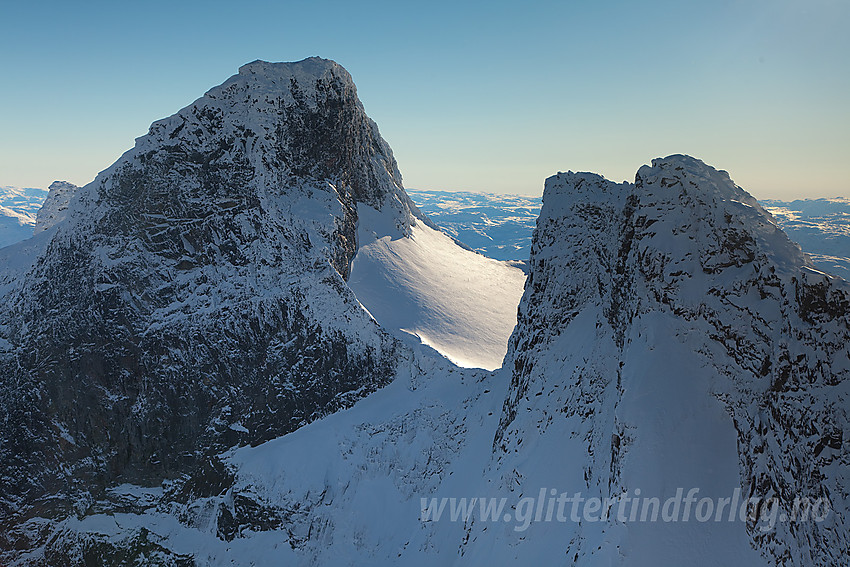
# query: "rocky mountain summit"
{"points": [[233, 350], [55, 206], [672, 335], [194, 296]]}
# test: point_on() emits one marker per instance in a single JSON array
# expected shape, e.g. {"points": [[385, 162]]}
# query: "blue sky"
{"points": [[490, 96]]}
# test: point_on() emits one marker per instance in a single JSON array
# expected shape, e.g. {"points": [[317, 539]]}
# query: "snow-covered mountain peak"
{"points": [[55, 207], [309, 68], [687, 342], [284, 120], [574, 186], [702, 212], [680, 165], [682, 228], [200, 295], [199, 283], [690, 182], [298, 81]]}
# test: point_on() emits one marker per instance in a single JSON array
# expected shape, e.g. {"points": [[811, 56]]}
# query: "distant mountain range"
{"points": [[501, 226], [821, 227], [244, 344], [18, 210], [498, 226]]}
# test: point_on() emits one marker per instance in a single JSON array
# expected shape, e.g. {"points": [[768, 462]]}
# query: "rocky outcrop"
{"points": [[699, 307], [55, 206], [194, 297]]}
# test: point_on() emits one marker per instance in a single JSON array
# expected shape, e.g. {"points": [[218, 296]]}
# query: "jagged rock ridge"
{"points": [[55, 206], [670, 335], [193, 297], [718, 359]]}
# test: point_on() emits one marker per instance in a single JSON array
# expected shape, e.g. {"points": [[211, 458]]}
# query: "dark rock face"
{"points": [[687, 245], [194, 298]]}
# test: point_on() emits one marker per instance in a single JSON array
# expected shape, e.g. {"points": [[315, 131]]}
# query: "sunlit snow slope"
{"points": [[670, 336], [454, 300]]}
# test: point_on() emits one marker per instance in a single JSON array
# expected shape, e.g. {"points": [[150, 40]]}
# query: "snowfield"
{"points": [[607, 392], [243, 344], [454, 300]]}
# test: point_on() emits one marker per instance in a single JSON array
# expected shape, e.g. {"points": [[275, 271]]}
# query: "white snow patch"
{"points": [[460, 303]]}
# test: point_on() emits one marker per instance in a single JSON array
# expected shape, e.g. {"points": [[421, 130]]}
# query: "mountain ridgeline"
{"points": [[194, 297], [676, 331], [179, 336]]}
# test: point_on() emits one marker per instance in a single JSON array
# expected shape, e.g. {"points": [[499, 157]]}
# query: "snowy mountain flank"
{"points": [[55, 206], [679, 339], [194, 297], [243, 344]]}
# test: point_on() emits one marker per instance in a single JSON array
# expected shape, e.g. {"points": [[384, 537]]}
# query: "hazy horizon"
{"points": [[490, 98]]}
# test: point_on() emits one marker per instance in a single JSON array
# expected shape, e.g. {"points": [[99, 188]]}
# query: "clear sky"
{"points": [[487, 96]]}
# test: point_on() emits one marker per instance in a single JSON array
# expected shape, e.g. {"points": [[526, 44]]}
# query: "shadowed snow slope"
{"points": [[193, 298], [670, 337], [456, 301]]}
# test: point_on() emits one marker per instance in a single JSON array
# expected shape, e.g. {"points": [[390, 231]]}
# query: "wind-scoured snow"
{"points": [[55, 206], [670, 336], [424, 284], [198, 367]]}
